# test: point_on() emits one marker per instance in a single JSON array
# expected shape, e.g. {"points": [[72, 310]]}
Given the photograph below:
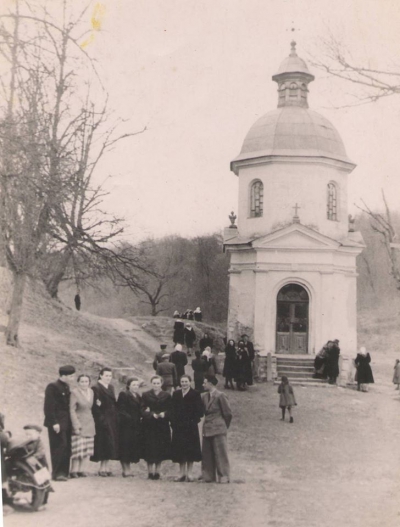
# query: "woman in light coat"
{"points": [[83, 428]]}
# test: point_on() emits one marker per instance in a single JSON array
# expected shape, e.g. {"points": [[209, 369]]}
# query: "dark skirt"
{"points": [[157, 441], [186, 443], [130, 442]]}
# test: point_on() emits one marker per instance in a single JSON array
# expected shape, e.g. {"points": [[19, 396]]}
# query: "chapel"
{"points": [[292, 277]]}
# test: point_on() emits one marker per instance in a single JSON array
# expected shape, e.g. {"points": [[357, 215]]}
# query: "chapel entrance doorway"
{"points": [[292, 320]]}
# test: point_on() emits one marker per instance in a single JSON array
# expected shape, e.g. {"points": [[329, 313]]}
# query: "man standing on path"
{"points": [[167, 371], [218, 416], [58, 422], [179, 358], [158, 356]]}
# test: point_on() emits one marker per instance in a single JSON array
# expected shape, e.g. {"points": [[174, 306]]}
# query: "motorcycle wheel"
{"points": [[37, 498]]}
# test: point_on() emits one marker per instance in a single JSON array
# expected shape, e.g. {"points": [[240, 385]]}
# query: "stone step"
{"points": [[290, 367], [307, 382], [294, 360], [292, 375]]}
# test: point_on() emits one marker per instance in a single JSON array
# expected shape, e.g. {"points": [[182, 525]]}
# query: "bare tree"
{"points": [[48, 128], [372, 83], [382, 224]]}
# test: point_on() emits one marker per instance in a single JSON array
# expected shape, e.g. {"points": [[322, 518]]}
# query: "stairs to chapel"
{"points": [[298, 369]]}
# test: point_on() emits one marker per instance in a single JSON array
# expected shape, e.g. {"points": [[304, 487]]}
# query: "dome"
{"points": [[293, 131]]}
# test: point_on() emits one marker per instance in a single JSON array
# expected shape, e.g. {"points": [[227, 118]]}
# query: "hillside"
{"points": [[53, 334]]}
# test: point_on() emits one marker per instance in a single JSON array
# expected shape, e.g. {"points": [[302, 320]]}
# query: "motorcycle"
{"points": [[28, 479]]}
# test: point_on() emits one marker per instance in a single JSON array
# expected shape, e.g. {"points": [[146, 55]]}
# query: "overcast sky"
{"points": [[198, 73]]}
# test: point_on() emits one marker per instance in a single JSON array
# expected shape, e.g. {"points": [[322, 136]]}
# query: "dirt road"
{"points": [[337, 464]]}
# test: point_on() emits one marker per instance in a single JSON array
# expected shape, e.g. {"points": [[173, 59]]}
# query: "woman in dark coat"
{"points": [[187, 410], [244, 373], [199, 366], [230, 364], [332, 361], [130, 426], [206, 342], [179, 332], [156, 411], [364, 373], [105, 415]]}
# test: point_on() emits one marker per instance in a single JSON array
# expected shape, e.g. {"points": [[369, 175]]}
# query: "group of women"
{"points": [[135, 426], [238, 365]]}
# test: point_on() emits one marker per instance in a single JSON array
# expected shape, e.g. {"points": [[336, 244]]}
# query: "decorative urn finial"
{"points": [[232, 217]]}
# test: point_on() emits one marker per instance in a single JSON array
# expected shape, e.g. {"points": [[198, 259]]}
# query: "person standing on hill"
{"points": [[190, 338], [218, 416], [179, 332], [206, 342], [58, 422], [179, 358], [198, 315]]}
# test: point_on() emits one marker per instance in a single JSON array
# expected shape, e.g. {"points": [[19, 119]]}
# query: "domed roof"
{"points": [[293, 131]]}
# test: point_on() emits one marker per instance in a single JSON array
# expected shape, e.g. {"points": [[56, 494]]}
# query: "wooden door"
{"points": [[292, 320]]}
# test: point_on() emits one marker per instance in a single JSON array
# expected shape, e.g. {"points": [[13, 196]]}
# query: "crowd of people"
{"points": [[189, 314], [239, 363], [90, 423]]}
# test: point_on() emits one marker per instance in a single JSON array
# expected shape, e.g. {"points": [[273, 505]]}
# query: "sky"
{"points": [[197, 74]]}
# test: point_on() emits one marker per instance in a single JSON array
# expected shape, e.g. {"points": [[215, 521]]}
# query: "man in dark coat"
{"points": [[58, 422], [190, 337], [167, 371], [179, 358], [158, 356], [332, 361]]}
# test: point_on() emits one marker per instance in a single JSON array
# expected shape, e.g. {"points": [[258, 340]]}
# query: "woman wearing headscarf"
{"points": [[210, 366], [187, 410], [130, 426], [364, 372], [105, 413], [156, 412]]}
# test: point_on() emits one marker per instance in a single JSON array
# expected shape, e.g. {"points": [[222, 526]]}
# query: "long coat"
{"points": [[186, 414], [332, 362], [230, 364], [190, 337], [130, 427], [179, 358], [364, 372], [167, 371], [244, 372], [396, 373], [81, 413], [105, 415], [199, 366], [179, 333], [56, 405], [156, 432]]}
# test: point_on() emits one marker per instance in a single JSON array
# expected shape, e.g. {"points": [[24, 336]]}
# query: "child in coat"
{"points": [[286, 398]]}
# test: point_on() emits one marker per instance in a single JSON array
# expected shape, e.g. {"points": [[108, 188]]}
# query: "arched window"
{"points": [[331, 212], [256, 199]]}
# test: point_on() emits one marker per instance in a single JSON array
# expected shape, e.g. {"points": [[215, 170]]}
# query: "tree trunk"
{"points": [[53, 281], [14, 318]]}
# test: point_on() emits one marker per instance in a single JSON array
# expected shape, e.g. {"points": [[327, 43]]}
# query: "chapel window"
{"points": [[256, 199], [332, 202]]}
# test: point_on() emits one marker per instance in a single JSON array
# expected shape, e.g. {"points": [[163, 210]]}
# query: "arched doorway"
{"points": [[292, 319]]}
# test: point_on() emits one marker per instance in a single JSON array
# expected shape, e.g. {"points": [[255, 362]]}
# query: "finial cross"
{"points": [[296, 208]]}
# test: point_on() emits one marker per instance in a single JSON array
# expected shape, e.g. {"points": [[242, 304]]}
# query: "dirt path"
{"points": [[338, 464]]}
